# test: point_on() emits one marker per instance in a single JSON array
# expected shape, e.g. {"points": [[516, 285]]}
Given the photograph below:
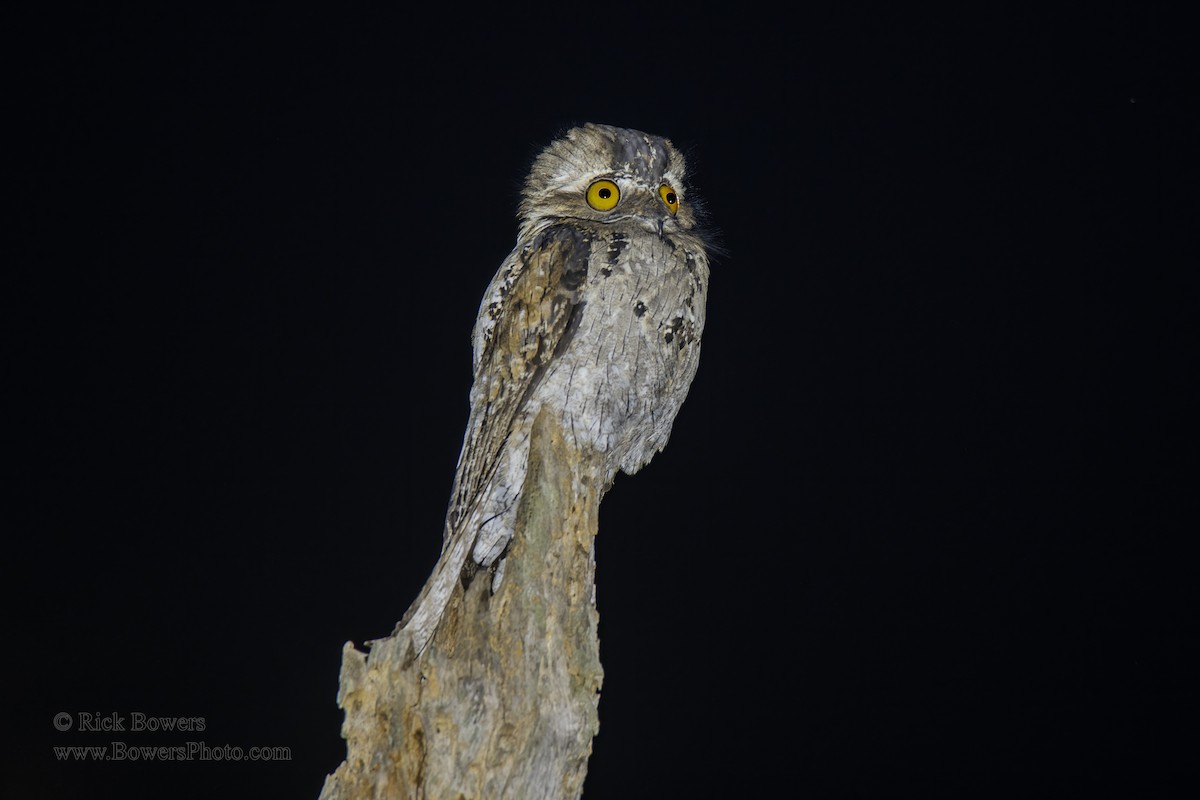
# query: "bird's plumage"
{"points": [[597, 315]]}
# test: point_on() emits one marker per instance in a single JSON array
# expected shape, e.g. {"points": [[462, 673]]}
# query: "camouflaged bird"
{"points": [[596, 315]]}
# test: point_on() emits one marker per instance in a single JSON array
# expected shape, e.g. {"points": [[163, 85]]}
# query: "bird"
{"points": [[596, 315]]}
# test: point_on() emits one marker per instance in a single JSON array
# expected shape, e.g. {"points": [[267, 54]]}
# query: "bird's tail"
{"points": [[423, 616]]}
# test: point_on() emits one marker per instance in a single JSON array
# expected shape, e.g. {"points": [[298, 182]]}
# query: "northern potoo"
{"points": [[596, 315]]}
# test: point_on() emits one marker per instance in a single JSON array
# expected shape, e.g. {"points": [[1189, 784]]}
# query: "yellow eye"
{"points": [[669, 197], [603, 195]]}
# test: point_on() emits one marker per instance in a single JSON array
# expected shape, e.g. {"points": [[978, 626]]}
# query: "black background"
{"points": [[919, 530]]}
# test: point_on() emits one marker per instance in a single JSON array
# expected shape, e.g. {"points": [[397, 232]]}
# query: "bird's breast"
{"points": [[633, 339]]}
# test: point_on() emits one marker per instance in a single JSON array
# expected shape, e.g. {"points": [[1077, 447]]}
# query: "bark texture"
{"points": [[502, 702]]}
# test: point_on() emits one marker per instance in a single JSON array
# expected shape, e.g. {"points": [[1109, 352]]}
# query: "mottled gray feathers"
{"points": [[596, 315]]}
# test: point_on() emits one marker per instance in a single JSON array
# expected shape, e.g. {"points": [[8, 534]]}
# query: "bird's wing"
{"points": [[523, 320]]}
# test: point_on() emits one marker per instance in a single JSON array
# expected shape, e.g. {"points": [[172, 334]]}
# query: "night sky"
{"points": [[920, 528]]}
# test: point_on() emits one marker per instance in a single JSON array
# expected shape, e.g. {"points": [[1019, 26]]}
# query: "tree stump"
{"points": [[503, 700]]}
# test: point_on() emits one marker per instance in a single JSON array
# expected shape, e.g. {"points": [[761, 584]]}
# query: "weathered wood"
{"points": [[502, 702]]}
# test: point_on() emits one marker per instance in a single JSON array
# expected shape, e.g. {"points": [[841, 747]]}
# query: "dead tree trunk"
{"points": [[502, 702]]}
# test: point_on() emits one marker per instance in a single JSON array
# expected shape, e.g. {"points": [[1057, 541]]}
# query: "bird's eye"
{"points": [[669, 197], [603, 195]]}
